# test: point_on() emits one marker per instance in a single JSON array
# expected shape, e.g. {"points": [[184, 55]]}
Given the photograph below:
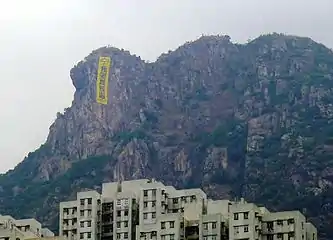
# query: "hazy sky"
{"points": [[40, 40]]}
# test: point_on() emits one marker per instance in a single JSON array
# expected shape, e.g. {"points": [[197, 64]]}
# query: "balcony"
{"points": [[69, 216], [70, 238], [107, 211], [66, 227], [107, 234], [193, 237], [70, 227], [86, 207], [107, 221], [279, 229]]}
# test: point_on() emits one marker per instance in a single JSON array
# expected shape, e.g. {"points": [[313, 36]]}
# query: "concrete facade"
{"points": [[80, 219], [47, 238], [147, 209], [12, 229]]}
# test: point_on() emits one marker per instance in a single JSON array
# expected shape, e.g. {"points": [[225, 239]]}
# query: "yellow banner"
{"points": [[102, 84]]}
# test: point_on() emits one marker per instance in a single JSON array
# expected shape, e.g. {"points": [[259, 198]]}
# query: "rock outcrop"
{"points": [[251, 120]]}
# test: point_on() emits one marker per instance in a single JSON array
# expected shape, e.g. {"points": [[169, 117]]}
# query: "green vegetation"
{"points": [[85, 173], [274, 95]]}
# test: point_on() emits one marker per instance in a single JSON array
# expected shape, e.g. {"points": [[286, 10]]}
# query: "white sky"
{"points": [[40, 40]]}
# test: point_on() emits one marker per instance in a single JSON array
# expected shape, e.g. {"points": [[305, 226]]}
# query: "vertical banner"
{"points": [[102, 83]]}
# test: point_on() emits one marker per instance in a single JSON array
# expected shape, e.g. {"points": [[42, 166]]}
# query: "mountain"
{"points": [[252, 120]]}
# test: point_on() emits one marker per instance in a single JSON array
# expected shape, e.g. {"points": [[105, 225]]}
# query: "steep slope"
{"points": [[251, 120]]}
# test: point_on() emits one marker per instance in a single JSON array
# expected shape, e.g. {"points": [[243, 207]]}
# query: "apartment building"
{"points": [[80, 219], [12, 229], [147, 209], [47, 238]]}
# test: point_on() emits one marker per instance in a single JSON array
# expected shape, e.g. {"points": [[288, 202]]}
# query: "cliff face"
{"points": [[248, 120]]}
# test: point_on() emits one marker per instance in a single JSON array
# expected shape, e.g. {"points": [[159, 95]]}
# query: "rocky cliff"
{"points": [[249, 120]]}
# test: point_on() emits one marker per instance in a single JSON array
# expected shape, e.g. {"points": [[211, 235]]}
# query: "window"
{"points": [[172, 224], [118, 224], [246, 228], [107, 229], [235, 216], [107, 218], [126, 212], [118, 235], [153, 203], [302, 225], [214, 225], [246, 215], [162, 225], [81, 224], [82, 202], [145, 215], [125, 235], [162, 237], [279, 222], [81, 213], [118, 202], [154, 192], [153, 215], [291, 234], [280, 235], [205, 226], [291, 221], [270, 226], [236, 230], [172, 236], [175, 200], [118, 213], [270, 237], [145, 204], [89, 234], [126, 223], [81, 236], [145, 193], [213, 237], [89, 223], [89, 200]]}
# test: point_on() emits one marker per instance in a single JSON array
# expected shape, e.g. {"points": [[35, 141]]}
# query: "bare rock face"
{"points": [[132, 161], [250, 120]]}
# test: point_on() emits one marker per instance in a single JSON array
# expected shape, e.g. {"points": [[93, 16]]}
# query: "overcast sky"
{"points": [[40, 40]]}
